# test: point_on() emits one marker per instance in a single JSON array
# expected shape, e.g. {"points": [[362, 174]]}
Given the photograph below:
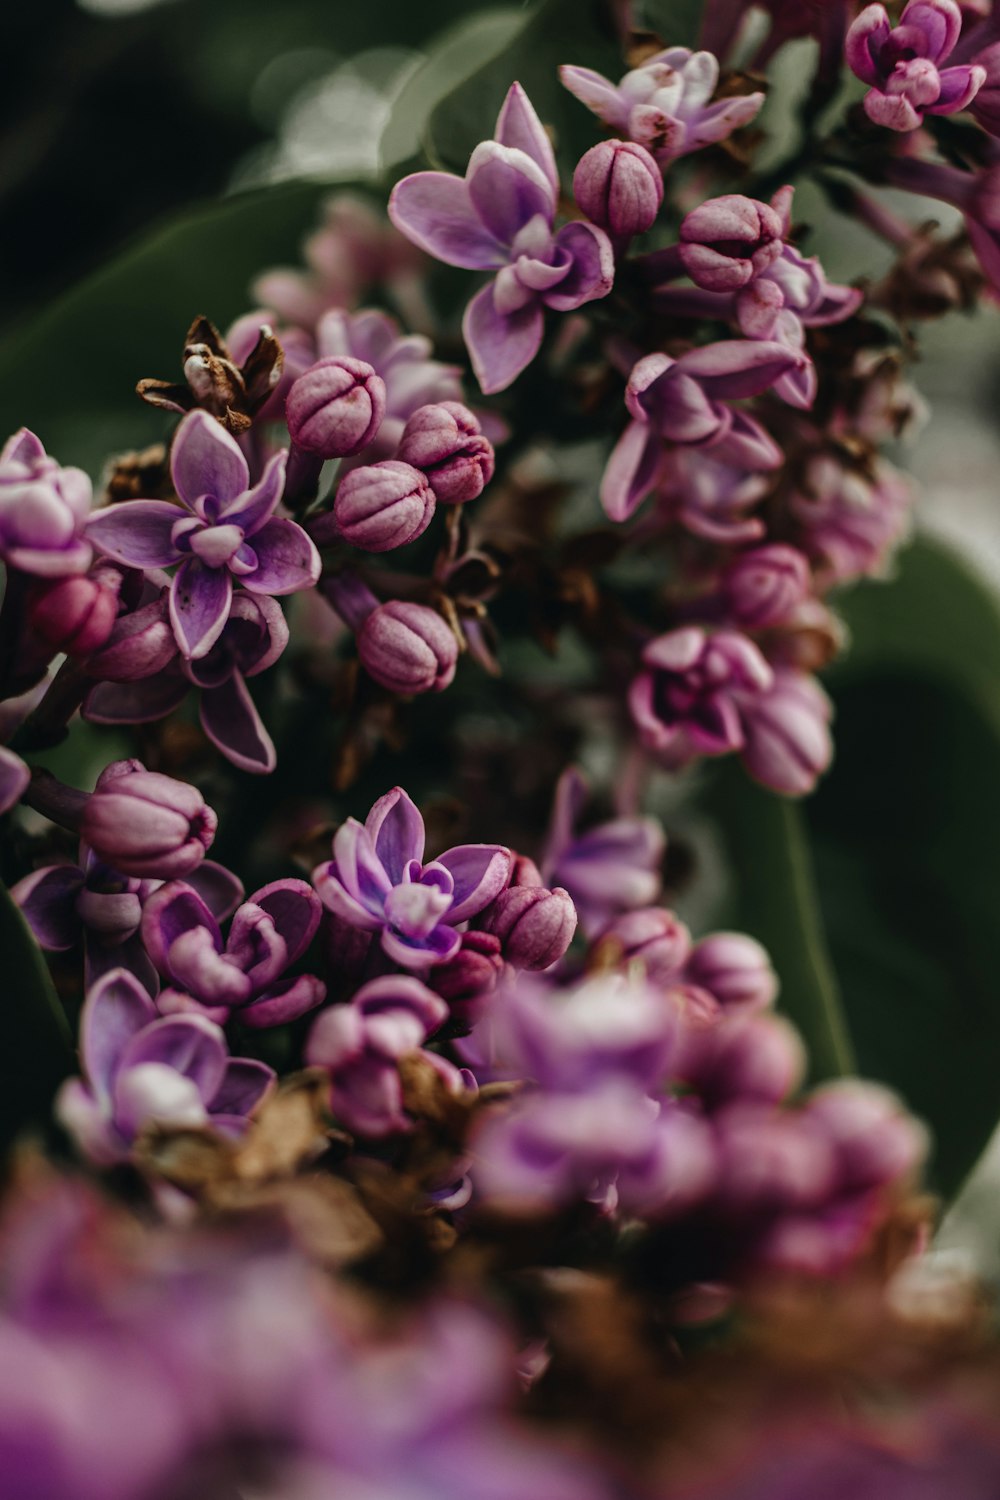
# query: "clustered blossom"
{"points": [[903, 64]]}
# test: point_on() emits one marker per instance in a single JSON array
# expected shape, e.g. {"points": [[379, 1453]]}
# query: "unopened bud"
{"points": [[146, 824], [382, 506], [446, 443], [336, 408], [408, 648], [619, 187]]}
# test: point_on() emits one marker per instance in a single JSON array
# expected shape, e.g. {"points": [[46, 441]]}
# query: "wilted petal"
{"points": [[396, 830], [434, 210], [480, 872], [230, 719], [47, 899], [284, 1002], [287, 559], [206, 461], [249, 511], [139, 532], [518, 125], [116, 1010], [500, 346], [592, 269], [507, 190], [199, 605]]}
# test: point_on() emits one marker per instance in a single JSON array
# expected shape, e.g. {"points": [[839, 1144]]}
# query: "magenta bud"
{"points": [[335, 408], [74, 615], [746, 1058], [524, 871], [146, 824], [735, 969], [766, 585], [727, 241], [535, 926], [875, 1140], [383, 505], [446, 443], [466, 981], [652, 936], [408, 648], [619, 187]]}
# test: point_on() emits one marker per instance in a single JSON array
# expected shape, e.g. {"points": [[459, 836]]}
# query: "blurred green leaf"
{"points": [[675, 22], [37, 1051]]}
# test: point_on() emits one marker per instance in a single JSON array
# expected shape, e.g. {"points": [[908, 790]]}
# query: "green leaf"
{"points": [[37, 1052], [675, 22]]}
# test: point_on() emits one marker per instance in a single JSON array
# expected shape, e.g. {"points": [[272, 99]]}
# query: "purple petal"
{"points": [[295, 910], [170, 911], [135, 702], [396, 830], [866, 37], [255, 946], [188, 1044], [244, 1084], [48, 904], [434, 210], [735, 368], [199, 605], [499, 346], [631, 471], [597, 93], [507, 190], [101, 958], [219, 888], [337, 899], [518, 125], [480, 873], [359, 869], [894, 111], [139, 532], [231, 721], [86, 1120], [717, 121], [940, 23], [440, 944], [205, 460], [592, 271], [959, 86], [14, 778], [287, 559], [284, 1002], [249, 511], [116, 1010], [746, 446]]}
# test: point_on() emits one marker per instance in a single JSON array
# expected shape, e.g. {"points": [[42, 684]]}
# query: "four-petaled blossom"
{"points": [[213, 977], [903, 66], [225, 530], [500, 218], [378, 883], [43, 508], [142, 1069], [687, 701], [664, 104]]}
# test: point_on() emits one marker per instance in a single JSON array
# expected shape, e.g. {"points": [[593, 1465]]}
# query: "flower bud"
{"points": [[140, 643], [874, 1138], [74, 615], [384, 505], [765, 585], [735, 969], [535, 926], [467, 980], [145, 824], [652, 936], [524, 871], [727, 241], [619, 187], [787, 734], [446, 443], [408, 648], [758, 1058], [336, 408]]}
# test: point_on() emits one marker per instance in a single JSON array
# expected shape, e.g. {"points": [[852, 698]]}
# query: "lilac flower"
{"points": [[446, 443], [75, 615], [764, 586], [146, 824], [610, 868], [225, 530], [619, 186], [378, 883], [850, 521], [725, 243], [141, 1069], [408, 647], [212, 977], [709, 498], [664, 104], [360, 1045], [500, 218], [252, 639], [735, 970], [535, 925], [90, 901], [651, 936], [43, 509], [903, 65], [786, 733], [683, 401]]}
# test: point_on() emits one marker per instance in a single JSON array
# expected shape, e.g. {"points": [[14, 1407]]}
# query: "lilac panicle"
{"points": [[377, 882], [43, 509], [903, 65], [141, 1070], [224, 530], [501, 218], [408, 648], [243, 973], [146, 824], [664, 104]]}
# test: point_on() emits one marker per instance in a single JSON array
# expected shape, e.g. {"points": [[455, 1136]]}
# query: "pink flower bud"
{"points": [[787, 734], [466, 981], [875, 1140], [535, 926], [727, 241], [735, 969], [383, 505], [619, 187], [765, 585], [653, 937], [408, 648], [74, 615], [758, 1058], [446, 443], [524, 871], [146, 824], [336, 408]]}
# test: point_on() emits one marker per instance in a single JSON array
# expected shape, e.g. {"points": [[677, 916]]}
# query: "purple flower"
{"points": [[252, 639], [360, 1045], [726, 242], [146, 824], [43, 509], [651, 936], [63, 904], [500, 218], [735, 970], [850, 520], [207, 975], [141, 1069], [689, 700], [765, 585], [786, 733], [225, 530], [664, 104], [709, 498], [378, 883], [335, 408], [75, 615], [683, 401], [903, 65]]}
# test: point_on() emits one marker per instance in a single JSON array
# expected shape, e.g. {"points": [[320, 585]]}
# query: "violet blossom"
{"points": [[43, 511], [142, 1069], [244, 973], [377, 882], [903, 65], [664, 104], [224, 529], [146, 824], [501, 218]]}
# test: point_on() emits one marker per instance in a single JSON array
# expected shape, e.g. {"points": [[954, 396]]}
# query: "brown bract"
{"points": [[233, 393]]}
